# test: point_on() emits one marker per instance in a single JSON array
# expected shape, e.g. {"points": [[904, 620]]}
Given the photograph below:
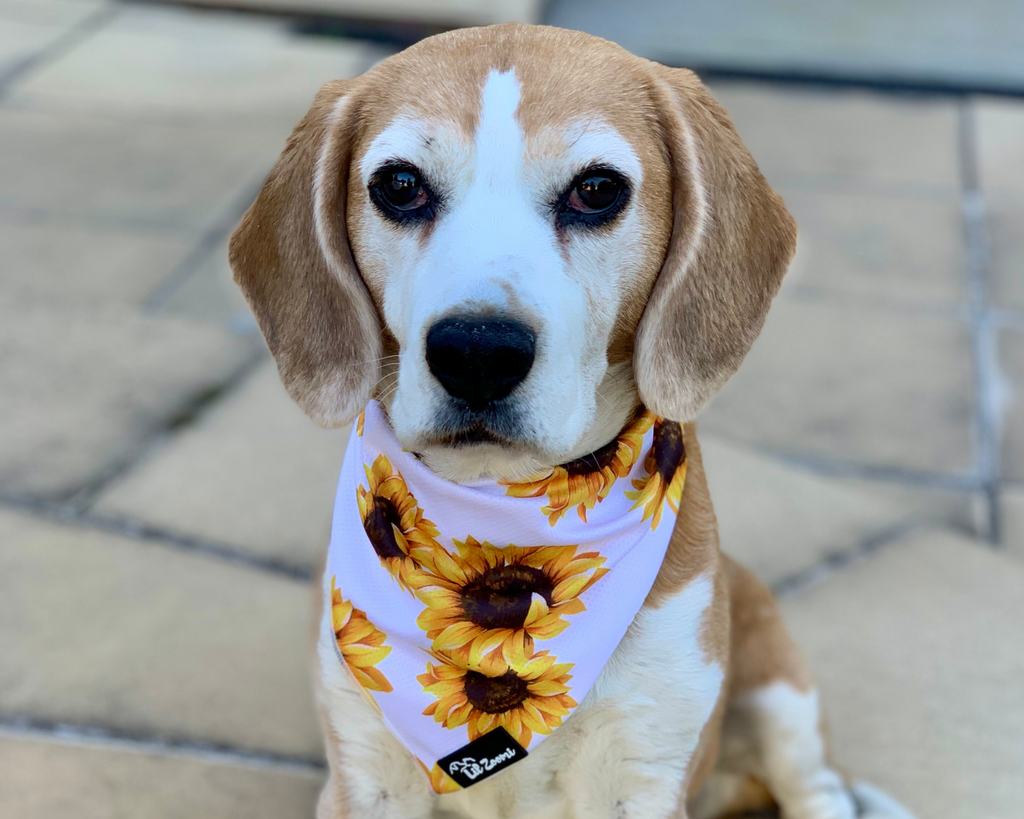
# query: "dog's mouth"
{"points": [[458, 427]]}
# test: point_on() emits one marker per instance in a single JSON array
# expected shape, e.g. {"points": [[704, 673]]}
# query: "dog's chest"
{"points": [[623, 754]]}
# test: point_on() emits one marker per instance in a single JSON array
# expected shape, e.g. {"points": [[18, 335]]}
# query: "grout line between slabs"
{"points": [[104, 738], [187, 414], [69, 514], [832, 564], [989, 390], [837, 468], [201, 250]]}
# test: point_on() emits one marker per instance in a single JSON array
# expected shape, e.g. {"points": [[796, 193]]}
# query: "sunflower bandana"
{"points": [[476, 617]]}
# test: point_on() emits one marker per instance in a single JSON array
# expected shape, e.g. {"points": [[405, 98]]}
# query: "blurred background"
{"points": [[163, 504]]}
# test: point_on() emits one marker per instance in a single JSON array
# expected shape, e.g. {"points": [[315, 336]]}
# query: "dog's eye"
{"points": [[594, 198], [401, 194], [595, 193]]}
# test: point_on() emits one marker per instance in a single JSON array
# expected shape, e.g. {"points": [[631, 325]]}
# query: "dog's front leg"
{"points": [[635, 735], [372, 775]]}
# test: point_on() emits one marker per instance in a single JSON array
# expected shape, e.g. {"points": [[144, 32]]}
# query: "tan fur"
{"points": [[728, 255], [716, 241], [320, 327]]}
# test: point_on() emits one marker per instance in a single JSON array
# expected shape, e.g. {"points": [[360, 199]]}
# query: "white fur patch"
{"points": [[774, 734]]}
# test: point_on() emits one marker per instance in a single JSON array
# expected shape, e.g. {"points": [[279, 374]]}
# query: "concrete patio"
{"points": [[163, 504]]}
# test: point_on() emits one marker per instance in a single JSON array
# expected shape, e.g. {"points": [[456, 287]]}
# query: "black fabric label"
{"points": [[483, 757]]}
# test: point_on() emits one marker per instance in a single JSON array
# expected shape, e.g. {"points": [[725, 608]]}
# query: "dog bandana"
{"points": [[476, 617]]}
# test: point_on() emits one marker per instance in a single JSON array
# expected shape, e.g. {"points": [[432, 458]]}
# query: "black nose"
{"points": [[480, 360]]}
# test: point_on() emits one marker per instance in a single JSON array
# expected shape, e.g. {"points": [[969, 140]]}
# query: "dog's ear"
{"points": [[732, 240], [291, 258]]}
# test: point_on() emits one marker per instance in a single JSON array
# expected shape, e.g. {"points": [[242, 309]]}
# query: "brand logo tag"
{"points": [[483, 757]]}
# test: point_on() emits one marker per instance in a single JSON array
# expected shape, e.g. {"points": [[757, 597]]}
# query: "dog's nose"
{"points": [[480, 360]]}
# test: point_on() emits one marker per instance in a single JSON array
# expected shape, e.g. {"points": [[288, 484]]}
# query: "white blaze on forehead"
{"points": [[492, 239], [499, 140]]}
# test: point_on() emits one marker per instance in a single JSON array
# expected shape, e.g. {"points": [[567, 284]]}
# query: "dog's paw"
{"points": [[874, 803]]}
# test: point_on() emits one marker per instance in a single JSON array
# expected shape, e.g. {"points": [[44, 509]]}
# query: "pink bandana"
{"points": [[476, 617]]}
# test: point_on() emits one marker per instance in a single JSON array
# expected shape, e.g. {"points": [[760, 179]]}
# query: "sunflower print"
{"points": [[487, 604], [402, 538], [360, 642], [360, 423], [587, 481], [533, 700], [439, 780], [666, 473]]}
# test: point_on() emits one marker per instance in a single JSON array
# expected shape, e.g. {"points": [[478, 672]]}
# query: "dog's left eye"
{"points": [[401, 194], [594, 198]]}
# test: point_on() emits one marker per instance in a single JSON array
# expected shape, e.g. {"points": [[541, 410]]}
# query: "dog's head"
{"points": [[511, 236]]}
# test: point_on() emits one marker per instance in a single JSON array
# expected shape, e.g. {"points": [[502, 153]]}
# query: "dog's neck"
{"points": [[618, 403]]}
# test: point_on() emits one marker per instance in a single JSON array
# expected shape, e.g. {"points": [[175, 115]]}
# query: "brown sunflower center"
{"points": [[495, 695], [379, 525], [595, 461], [501, 596], [668, 449]]}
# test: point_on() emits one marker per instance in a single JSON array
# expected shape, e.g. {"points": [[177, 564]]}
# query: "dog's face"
{"points": [[504, 246], [539, 231]]}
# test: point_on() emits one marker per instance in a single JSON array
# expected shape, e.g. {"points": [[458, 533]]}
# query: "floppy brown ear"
{"points": [[732, 240], [291, 258]]}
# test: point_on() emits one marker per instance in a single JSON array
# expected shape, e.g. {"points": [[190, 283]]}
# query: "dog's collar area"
{"points": [[476, 618]]}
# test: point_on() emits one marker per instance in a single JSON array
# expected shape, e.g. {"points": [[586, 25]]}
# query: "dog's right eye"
{"points": [[401, 194]]}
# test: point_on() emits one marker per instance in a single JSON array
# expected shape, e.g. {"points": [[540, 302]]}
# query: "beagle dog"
{"points": [[596, 222]]}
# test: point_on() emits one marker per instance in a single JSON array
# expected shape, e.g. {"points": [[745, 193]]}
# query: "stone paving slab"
{"points": [[1011, 509], [855, 244], [451, 13], [119, 171], [82, 389], [72, 264], [20, 40], [1011, 357], [50, 12], [255, 473], [918, 652], [134, 636], [913, 41], [779, 520], [207, 293], [155, 61], [848, 139], [43, 779], [999, 124], [886, 388], [1005, 216]]}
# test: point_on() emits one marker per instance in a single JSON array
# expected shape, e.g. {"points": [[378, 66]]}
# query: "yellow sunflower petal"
{"points": [[516, 651], [484, 643], [569, 588], [355, 630], [364, 657], [538, 609], [441, 782], [532, 718], [373, 679], [456, 636]]}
